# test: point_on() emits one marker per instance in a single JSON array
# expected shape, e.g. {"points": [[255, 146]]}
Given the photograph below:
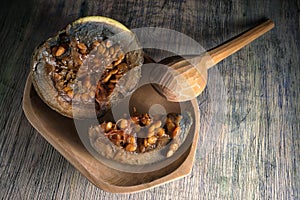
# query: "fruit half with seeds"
{"points": [[141, 139], [78, 70]]}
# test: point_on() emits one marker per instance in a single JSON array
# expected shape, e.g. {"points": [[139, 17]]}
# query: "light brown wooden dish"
{"points": [[60, 132]]}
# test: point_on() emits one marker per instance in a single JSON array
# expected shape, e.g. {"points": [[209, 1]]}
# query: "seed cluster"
{"points": [[142, 133], [85, 71]]}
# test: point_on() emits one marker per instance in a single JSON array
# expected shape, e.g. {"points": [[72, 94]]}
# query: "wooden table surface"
{"points": [[256, 154]]}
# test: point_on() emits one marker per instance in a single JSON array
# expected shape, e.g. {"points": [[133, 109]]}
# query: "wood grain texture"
{"points": [[257, 153], [233, 45]]}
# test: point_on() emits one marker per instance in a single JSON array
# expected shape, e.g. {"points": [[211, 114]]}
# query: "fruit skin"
{"points": [[44, 86]]}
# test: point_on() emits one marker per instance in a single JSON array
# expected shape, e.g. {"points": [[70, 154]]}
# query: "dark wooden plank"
{"points": [[256, 155]]}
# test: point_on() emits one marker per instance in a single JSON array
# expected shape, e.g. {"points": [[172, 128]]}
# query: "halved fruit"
{"points": [[77, 71]]}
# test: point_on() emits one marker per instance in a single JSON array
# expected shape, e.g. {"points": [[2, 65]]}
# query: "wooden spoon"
{"points": [[189, 74]]}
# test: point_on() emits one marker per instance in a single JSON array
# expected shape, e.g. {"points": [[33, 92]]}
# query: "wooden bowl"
{"points": [[61, 133]]}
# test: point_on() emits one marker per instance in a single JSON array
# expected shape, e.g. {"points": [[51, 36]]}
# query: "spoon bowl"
{"points": [[187, 75]]}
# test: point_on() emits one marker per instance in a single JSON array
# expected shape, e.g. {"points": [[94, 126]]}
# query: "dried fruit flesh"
{"points": [[140, 134]]}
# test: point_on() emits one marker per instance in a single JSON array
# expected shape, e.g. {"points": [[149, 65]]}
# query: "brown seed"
{"points": [[131, 140], [118, 140], [146, 144], [152, 140], [111, 50], [77, 61], [122, 68], [63, 72], [123, 123], [57, 76], [121, 55], [101, 49], [108, 43], [130, 147], [160, 132], [174, 147], [164, 140], [62, 66], [170, 126], [114, 81], [175, 132], [157, 124], [60, 51], [110, 66], [81, 46], [145, 120], [151, 128], [96, 43], [64, 61], [70, 93], [106, 78], [70, 64], [69, 75], [53, 50], [108, 126], [170, 153], [114, 71], [118, 62], [114, 57], [67, 88], [106, 53], [60, 84], [150, 133]]}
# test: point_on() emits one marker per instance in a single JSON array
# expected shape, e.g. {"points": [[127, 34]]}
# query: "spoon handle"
{"points": [[224, 50]]}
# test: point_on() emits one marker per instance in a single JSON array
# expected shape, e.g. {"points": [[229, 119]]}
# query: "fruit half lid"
{"points": [[78, 70]]}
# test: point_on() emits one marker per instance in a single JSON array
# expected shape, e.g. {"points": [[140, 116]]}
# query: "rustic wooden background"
{"points": [[257, 153]]}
